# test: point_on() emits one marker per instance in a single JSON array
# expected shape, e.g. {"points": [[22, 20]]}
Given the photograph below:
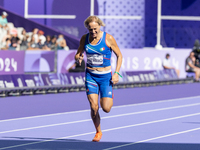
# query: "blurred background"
{"points": [[40, 38], [133, 23]]}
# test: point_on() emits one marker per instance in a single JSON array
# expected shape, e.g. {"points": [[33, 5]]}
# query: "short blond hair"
{"points": [[93, 18]]}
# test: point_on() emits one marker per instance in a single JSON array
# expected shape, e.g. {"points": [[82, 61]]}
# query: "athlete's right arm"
{"points": [[79, 54]]}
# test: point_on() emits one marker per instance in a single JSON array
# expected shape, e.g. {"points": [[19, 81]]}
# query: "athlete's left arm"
{"points": [[110, 41]]}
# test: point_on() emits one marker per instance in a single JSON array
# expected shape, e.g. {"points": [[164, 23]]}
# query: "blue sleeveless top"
{"points": [[98, 55]]}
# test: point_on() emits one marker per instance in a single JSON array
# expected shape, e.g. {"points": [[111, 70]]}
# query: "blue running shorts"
{"points": [[96, 83]]}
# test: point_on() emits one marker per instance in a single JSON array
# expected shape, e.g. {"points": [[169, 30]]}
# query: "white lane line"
{"points": [[80, 111], [106, 130], [45, 126], [85, 120], [160, 101], [49, 115], [155, 138]]}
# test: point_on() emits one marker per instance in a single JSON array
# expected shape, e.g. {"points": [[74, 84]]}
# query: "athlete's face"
{"points": [[94, 29]]}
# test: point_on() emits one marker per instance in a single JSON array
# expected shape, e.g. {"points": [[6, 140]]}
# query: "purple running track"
{"points": [[159, 122], [25, 106]]}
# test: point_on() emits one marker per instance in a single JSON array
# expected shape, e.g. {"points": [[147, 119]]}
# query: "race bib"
{"points": [[95, 59]]}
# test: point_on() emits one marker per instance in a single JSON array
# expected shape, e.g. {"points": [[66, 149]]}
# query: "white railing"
{"points": [[26, 15], [161, 17]]}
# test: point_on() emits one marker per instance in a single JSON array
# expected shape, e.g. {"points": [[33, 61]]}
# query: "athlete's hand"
{"points": [[115, 78], [80, 58]]}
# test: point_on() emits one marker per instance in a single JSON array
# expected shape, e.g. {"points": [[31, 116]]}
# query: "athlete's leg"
{"points": [[106, 104], [93, 99], [106, 92], [93, 84]]}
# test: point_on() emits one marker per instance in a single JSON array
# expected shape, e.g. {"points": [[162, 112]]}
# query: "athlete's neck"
{"points": [[98, 37]]}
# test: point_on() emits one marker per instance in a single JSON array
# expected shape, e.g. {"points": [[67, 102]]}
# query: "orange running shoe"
{"points": [[97, 137]]}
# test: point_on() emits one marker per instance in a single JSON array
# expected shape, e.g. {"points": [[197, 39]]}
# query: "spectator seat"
{"points": [[190, 75]]}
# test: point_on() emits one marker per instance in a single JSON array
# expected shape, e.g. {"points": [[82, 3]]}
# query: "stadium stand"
{"points": [[22, 23]]}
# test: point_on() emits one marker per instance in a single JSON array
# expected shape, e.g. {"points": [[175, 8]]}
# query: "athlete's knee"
{"points": [[94, 108], [106, 104], [107, 109]]}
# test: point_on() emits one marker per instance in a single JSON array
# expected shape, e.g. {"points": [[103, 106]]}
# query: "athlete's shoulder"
{"points": [[84, 36], [109, 39], [82, 41]]}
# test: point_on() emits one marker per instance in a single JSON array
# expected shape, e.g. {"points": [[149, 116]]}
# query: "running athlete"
{"points": [[98, 46]]}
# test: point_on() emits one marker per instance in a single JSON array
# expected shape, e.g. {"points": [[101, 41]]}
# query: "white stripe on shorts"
{"points": [[99, 72]]}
